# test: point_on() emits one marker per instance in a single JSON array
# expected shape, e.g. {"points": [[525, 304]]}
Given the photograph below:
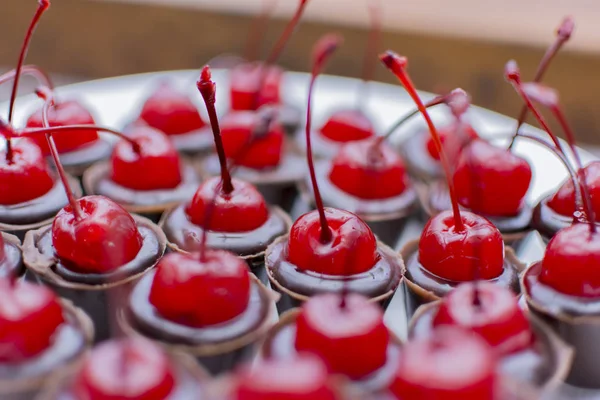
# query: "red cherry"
{"points": [[302, 378], [454, 137], [450, 364], [477, 251], [171, 111], [246, 91], [62, 114], [351, 250], [200, 290], [369, 170], [26, 176], [333, 332], [242, 210], [102, 239], [129, 369], [489, 310], [153, 165], [563, 201], [348, 125], [482, 175], [246, 145], [570, 264], [29, 316]]}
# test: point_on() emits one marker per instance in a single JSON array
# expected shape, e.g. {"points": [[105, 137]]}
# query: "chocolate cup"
{"points": [[38, 212], [96, 299], [77, 161], [416, 295], [215, 357], [552, 368], [291, 299], [370, 384], [435, 199], [547, 221], [149, 203], [190, 377], [12, 265], [385, 217], [27, 387], [579, 331], [419, 163]]}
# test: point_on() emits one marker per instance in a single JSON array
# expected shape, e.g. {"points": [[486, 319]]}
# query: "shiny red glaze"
{"points": [[332, 332], [242, 210], [127, 369], [157, 166], [27, 177], [496, 316], [197, 291], [246, 149], [477, 252], [571, 261], [348, 125], [301, 378], [29, 316], [62, 114], [352, 250], [171, 111], [450, 364], [484, 173], [245, 81], [563, 201], [369, 171], [104, 239], [454, 137]]}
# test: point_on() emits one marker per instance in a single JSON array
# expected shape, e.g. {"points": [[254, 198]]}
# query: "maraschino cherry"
{"points": [[449, 364], [29, 317], [453, 243], [126, 369], [323, 239]]}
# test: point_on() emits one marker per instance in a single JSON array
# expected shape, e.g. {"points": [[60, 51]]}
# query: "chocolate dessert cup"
{"points": [[547, 221], [12, 264], [77, 161], [94, 293], [419, 163]]}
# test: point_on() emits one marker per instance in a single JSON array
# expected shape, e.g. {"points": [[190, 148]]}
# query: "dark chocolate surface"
{"points": [[186, 235], [419, 162], [144, 317], [147, 256], [384, 277], [12, 264]]}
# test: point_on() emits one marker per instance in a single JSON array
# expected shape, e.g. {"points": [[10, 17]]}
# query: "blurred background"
{"points": [[462, 44]]}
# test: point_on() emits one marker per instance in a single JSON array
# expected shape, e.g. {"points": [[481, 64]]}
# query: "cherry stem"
{"points": [[397, 64], [373, 42], [563, 34], [322, 51], [47, 95], [258, 29], [287, 33], [33, 70], [431, 103], [43, 5], [208, 89]]}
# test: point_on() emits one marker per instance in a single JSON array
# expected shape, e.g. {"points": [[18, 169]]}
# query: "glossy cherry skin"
{"points": [[302, 378], [450, 364], [29, 316], [104, 239], [563, 201], [454, 137], [245, 81], [62, 114], [497, 317], [332, 332], [171, 111], [198, 291], [483, 175], [570, 264], [27, 177], [477, 252], [242, 210], [352, 250], [247, 148], [348, 125], [156, 166], [126, 369], [369, 171]]}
